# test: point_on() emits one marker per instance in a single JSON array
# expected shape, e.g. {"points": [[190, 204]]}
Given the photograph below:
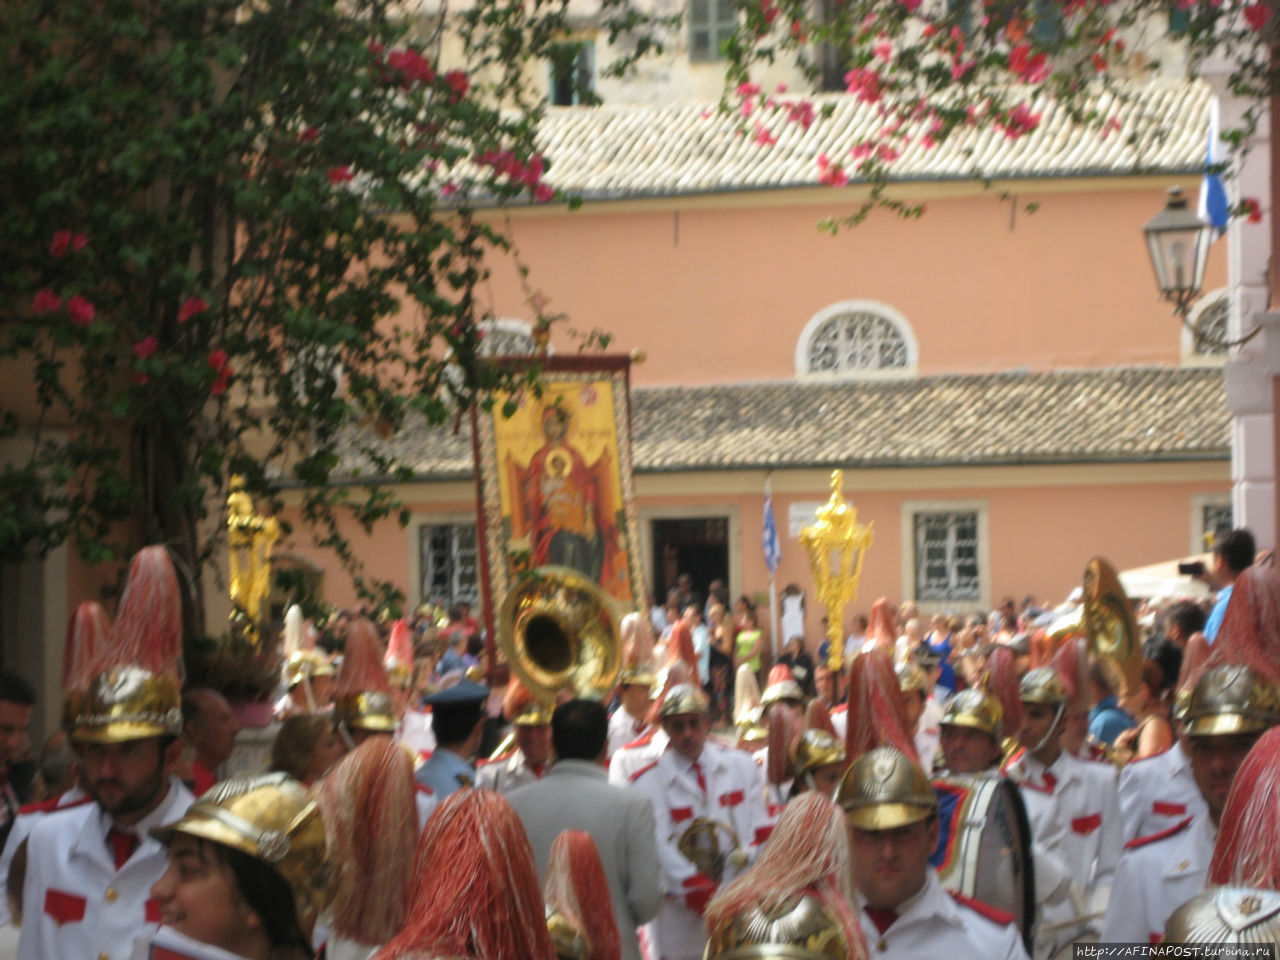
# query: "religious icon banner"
{"points": [[555, 481]]}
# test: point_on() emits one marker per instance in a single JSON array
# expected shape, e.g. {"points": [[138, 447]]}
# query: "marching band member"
{"points": [[371, 822], [457, 716], [630, 721], [1229, 709], [1085, 793], [1247, 851], [529, 758], [924, 712], [797, 900], [246, 874], [818, 761], [308, 674], [1158, 791], [892, 813], [90, 868], [705, 798], [644, 751], [475, 887]]}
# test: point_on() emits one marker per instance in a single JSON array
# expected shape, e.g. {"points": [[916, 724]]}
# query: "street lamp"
{"points": [[836, 544], [1178, 243]]}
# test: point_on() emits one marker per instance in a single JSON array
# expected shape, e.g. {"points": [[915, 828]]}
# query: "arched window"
{"points": [[1207, 328], [504, 337], [856, 338]]}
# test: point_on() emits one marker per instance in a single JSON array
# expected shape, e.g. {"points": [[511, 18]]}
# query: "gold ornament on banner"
{"points": [[251, 537], [837, 546]]}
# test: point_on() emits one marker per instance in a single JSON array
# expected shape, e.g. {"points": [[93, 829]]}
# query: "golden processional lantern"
{"points": [[250, 538], [837, 545]]}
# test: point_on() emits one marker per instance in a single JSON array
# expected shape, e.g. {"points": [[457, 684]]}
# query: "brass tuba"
{"points": [[559, 631], [1110, 626]]}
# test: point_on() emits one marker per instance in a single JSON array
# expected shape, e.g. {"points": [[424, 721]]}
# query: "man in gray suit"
{"points": [[574, 795]]}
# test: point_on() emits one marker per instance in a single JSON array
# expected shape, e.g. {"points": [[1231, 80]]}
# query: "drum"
{"points": [[984, 845]]}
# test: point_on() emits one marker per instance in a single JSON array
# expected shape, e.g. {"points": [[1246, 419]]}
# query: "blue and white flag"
{"points": [[772, 549], [1214, 207]]}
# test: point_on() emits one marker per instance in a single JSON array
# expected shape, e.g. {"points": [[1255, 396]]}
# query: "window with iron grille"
{"points": [[711, 25], [857, 340], [448, 560], [946, 556], [505, 338]]}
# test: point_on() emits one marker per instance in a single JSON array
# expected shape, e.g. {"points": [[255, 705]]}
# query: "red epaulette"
{"points": [[993, 914], [1178, 827], [51, 806], [641, 741], [423, 788], [425, 755], [1018, 755], [636, 776], [498, 759], [838, 708]]}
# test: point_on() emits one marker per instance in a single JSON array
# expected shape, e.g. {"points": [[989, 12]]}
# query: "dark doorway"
{"points": [[698, 546]]}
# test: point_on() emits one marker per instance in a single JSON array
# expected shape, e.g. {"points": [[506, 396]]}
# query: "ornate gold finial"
{"points": [[837, 545], [250, 537]]}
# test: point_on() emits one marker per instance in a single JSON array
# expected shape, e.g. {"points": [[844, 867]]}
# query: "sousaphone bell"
{"points": [[1110, 627], [559, 632]]}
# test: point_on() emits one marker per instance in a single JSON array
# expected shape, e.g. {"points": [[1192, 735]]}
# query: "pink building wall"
{"points": [[721, 293]]}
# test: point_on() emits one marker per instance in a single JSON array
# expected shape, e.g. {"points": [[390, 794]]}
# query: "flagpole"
{"points": [[775, 615]]}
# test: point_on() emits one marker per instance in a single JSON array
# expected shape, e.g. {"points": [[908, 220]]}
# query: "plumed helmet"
{"points": [[805, 929], [884, 789], [815, 748], [684, 698], [1231, 699], [363, 697], [782, 687], [640, 675], [976, 709], [273, 819], [1226, 915], [911, 678], [305, 665], [1043, 686]]}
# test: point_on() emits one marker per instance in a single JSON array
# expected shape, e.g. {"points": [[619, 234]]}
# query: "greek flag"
{"points": [[1214, 208], [772, 549]]}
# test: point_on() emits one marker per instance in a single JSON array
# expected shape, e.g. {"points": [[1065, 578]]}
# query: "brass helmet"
{"points": [[815, 748], [566, 939], [1043, 686], [535, 714], [304, 665], [805, 929], [370, 710], [1226, 915], [684, 698], [1231, 699], [782, 690], [974, 708], [640, 675], [129, 703], [911, 679], [884, 789], [273, 819]]}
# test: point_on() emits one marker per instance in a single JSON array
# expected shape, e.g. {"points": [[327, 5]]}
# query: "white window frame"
{"points": [[1198, 502], [416, 523], [1190, 357], [841, 308], [714, 26], [910, 508], [588, 46], [505, 325]]}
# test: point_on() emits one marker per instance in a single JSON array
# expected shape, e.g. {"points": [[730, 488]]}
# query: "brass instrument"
{"points": [[1110, 626], [559, 631], [699, 843]]}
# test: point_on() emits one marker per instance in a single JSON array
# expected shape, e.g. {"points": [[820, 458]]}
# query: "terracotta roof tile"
{"points": [[1121, 414]]}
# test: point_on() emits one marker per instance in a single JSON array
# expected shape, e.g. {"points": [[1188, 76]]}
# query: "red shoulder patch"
{"points": [[1037, 787], [838, 708], [52, 806], [643, 770], [993, 914], [1017, 757], [423, 788], [1178, 827], [642, 741]]}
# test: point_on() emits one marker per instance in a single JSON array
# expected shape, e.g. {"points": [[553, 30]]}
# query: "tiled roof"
{"points": [[630, 150], [1121, 414]]}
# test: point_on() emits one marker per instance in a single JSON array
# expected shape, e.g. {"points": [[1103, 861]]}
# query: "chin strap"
{"points": [[1057, 719]]}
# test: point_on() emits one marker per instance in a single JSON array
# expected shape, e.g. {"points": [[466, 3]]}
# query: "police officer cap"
{"points": [[461, 694]]}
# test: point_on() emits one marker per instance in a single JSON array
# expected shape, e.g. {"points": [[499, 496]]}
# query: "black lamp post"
{"points": [[1178, 242]]}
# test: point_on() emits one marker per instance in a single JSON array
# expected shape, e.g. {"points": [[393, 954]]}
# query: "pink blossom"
{"points": [[960, 70], [768, 11], [801, 112], [864, 82], [219, 364], [782, 88], [191, 307], [543, 193], [46, 301], [862, 149], [911, 5], [308, 134], [1257, 15], [140, 379], [883, 51], [763, 136], [886, 153], [339, 175], [1020, 121], [1252, 209], [448, 189], [1032, 68], [81, 311], [831, 174], [146, 347], [748, 107], [60, 244], [412, 65], [458, 83], [1111, 126]]}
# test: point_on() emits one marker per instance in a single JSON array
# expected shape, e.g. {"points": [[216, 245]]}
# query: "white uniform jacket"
{"points": [[935, 923], [624, 729], [1089, 807], [734, 798], [1155, 876], [77, 905], [637, 755], [576, 795], [506, 772], [1158, 792], [416, 733], [426, 801], [27, 817]]}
